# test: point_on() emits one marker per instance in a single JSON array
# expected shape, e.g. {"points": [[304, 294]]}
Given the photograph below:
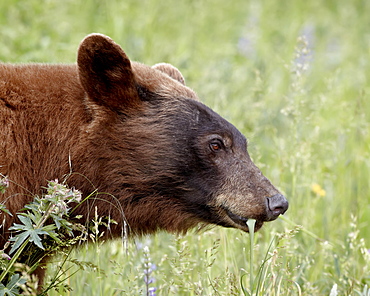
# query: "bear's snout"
{"points": [[276, 205]]}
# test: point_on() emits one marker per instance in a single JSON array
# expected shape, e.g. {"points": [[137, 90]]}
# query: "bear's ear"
{"points": [[105, 73], [171, 71]]}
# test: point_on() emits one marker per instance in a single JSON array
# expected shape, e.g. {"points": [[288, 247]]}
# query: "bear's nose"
{"points": [[277, 205]]}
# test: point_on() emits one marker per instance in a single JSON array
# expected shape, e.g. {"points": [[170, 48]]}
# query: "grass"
{"points": [[302, 102]]}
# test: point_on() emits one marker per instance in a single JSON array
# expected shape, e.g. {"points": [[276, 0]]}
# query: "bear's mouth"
{"points": [[242, 221]]}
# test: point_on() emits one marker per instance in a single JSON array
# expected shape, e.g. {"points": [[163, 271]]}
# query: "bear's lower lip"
{"points": [[242, 221], [236, 218]]}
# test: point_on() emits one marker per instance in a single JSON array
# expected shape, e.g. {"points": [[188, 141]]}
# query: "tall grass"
{"points": [[293, 76]]}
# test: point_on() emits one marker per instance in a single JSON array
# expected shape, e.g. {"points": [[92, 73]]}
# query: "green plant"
{"points": [[43, 229]]}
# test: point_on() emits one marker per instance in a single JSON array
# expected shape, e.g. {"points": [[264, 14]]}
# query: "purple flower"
{"points": [[149, 267], [5, 256], [151, 291]]}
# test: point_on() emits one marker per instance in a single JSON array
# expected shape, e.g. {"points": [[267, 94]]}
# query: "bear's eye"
{"points": [[216, 145]]}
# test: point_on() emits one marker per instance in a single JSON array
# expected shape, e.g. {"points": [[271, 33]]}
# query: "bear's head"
{"points": [[169, 161]]}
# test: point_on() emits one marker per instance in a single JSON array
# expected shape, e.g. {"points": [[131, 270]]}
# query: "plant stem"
{"points": [[46, 215], [251, 223], [14, 259]]}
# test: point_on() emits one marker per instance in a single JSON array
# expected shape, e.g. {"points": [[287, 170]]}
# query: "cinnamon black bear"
{"points": [[136, 133]]}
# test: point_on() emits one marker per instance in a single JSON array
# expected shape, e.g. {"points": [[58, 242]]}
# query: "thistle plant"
{"points": [[53, 205], [42, 229]]}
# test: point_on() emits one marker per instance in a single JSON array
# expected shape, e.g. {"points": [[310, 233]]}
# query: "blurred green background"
{"points": [[293, 76]]}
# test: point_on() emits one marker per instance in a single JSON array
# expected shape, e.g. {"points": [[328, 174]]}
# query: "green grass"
{"points": [[305, 127]]}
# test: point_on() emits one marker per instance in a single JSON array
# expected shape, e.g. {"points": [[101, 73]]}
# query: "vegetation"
{"points": [[293, 76]]}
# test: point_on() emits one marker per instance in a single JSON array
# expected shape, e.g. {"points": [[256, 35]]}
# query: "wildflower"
{"points": [[334, 290], [149, 267], [59, 195], [318, 190], [303, 55], [4, 183], [5, 256], [151, 291]]}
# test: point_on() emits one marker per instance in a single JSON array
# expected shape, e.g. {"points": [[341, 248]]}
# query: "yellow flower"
{"points": [[318, 190]]}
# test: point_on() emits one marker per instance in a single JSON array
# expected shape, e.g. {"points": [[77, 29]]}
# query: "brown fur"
{"points": [[158, 157], [56, 133]]}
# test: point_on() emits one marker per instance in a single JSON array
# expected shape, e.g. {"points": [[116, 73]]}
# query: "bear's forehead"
{"points": [[159, 83], [211, 122], [181, 96]]}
